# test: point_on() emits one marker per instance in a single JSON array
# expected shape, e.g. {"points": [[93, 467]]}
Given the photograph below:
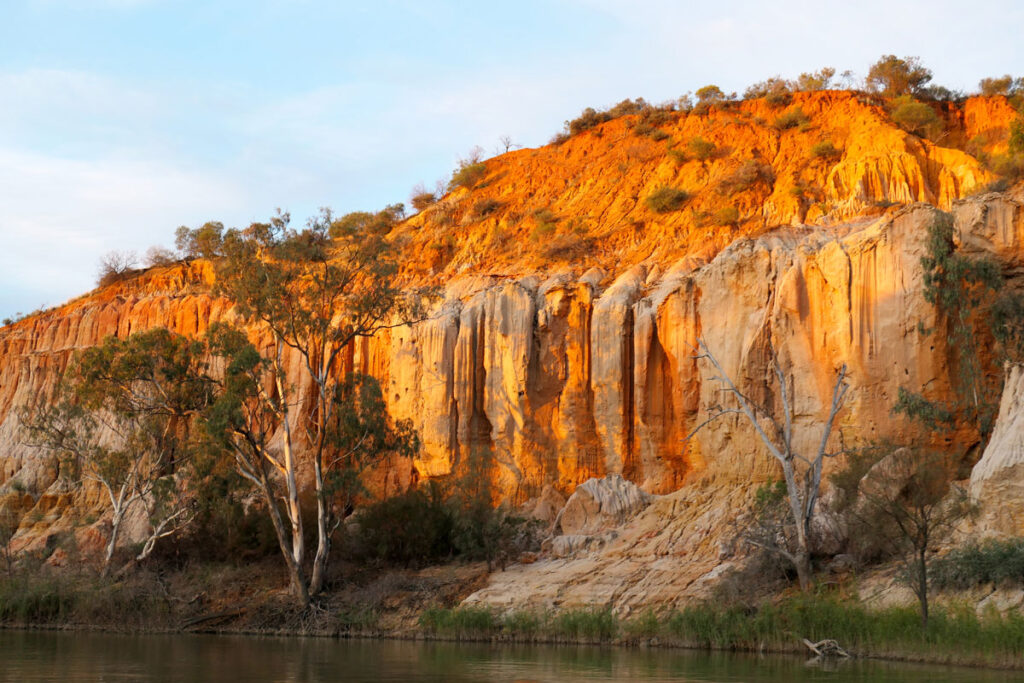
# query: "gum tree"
{"points": [[315, 292], [774, 426]]}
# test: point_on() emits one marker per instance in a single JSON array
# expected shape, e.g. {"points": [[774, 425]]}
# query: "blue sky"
{"points": [[123, 119]]}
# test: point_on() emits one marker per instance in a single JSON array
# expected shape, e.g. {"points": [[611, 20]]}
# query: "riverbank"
{"points": [[424, 605]]}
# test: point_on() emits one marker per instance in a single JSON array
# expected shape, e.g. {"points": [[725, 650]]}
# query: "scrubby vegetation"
{"points": [[666, 199], [998, 562]]}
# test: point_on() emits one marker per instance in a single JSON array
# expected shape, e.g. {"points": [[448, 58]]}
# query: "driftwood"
{"points": [[826, 648], [195, 621]]}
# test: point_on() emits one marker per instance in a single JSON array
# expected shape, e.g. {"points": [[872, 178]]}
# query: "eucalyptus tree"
{"points": [[313, 292], [120, 417]]}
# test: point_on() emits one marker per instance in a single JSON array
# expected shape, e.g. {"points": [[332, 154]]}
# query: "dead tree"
{"points": [[802, 474]]}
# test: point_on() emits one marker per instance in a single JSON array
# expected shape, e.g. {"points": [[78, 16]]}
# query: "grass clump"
{"points": [[586, 623], [461, 622], [666, 199]]}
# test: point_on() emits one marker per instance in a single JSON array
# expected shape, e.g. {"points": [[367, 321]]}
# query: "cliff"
{"points": [[564, 345]]}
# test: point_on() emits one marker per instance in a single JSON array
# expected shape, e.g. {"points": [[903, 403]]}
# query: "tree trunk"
{"points": [[295, 577], [115, 527], [804, 573], [922, 592], [323, 548]]}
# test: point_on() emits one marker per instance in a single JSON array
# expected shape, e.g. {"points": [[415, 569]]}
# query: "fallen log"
{"points": [[826, 648]]}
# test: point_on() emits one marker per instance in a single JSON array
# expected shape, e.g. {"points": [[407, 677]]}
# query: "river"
{"points": [[70, 657]]}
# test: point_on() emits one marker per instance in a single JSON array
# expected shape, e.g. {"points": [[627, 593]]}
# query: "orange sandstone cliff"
{"points": [[564, 343]]}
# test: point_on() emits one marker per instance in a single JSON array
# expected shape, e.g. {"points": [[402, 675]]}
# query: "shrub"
{"points": [[666, 199], [546, 223], [998, 562], [701, 149], [421, 198], [485, 207], [776, 91], [727, 215], [412, 529], [115, 266], [824, 150], [746, 176], [365, 221], [1009, 166], [468, 175], [791, 119], [816, 80], [159, 256], [912, 116]]}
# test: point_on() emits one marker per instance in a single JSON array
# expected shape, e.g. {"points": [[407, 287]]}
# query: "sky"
{"points": [[122, 119]]}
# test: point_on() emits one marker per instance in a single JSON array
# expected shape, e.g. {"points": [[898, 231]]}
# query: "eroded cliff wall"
{"points": [[563, 370]]}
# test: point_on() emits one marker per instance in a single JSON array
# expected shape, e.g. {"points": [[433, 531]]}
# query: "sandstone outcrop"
{"points": [[571, 356], [997, 481]]}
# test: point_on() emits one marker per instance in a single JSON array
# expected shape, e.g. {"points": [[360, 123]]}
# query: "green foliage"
{"points": [[999, 562], [1016, 141], [891, 76], [934, 416], [461, 622], [825, 150], [914, 117], [412, 529], [31, 600], [593, 624], [666, 199], [202, 242], [791, 119], [962, 290]]}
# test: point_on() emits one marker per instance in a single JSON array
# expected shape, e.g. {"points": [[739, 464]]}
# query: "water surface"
{"points": [[73, 657]]}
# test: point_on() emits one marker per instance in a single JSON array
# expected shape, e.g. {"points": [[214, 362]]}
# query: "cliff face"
{"points": [[565, 365]]}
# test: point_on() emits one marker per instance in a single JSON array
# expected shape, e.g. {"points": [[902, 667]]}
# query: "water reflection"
{"points": [[74, 657]]}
